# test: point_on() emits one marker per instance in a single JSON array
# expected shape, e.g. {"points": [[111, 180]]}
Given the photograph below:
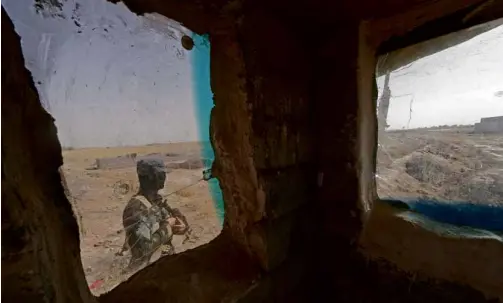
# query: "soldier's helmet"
{"points": [[151, 173]]}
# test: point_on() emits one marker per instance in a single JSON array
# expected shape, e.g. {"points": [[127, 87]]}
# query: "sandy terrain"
{"points": [[446, 164], [100, 196], [449, 165]]}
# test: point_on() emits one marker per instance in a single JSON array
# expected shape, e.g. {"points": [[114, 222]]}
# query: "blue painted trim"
{"points": [[459, 213], [203, 96]]}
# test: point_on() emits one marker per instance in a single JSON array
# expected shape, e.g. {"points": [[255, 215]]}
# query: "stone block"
{"points": [[116, 162], [173, 161], [489, 125], [190, 164], [159, 156]]}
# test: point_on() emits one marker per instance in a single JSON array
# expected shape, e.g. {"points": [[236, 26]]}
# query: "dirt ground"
{"points": [[101, 195], [446, 164]]}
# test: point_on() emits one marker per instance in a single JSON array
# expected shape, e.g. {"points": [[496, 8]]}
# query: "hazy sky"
{"points": [[455, 86], [120, 79]]}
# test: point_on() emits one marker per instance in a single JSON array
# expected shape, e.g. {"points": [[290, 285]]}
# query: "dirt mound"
{"points": [[483, 187], [430, 168], [449, 166]]}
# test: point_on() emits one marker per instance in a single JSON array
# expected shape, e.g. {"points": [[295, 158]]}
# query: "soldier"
{"points": [[147, 220]]}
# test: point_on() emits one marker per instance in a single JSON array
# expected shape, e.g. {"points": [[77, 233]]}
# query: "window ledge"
{"points": [[395, 230]]}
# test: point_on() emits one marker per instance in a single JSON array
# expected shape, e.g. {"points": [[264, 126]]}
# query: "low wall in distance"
{"points": [[172, 161], [490, 125]]}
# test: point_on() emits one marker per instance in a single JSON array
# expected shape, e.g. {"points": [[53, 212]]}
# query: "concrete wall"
{"points": [[293, 161], [490, 125], [189, 161]]}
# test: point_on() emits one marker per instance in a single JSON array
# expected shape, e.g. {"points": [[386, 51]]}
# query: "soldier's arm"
{"points": [[162, 235], [165, 209], [143, 213], [181, 223], [135, 212], [157, 213]]}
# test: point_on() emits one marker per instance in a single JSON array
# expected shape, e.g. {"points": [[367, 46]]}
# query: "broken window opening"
{"points": [[440, 134], [131, 99]]}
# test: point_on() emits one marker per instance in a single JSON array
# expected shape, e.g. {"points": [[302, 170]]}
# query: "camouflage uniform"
{"points": [[144, 219], [146, 229]]}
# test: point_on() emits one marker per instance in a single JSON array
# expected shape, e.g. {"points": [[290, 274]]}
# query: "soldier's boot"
{"points": [[167, 250]]}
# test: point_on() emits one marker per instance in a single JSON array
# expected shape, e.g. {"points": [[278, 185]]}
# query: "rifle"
{"points": [[177, 214]]}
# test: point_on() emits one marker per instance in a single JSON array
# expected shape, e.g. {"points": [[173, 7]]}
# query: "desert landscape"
{"points": [[100, 195], [448, 164], [444, 163]]}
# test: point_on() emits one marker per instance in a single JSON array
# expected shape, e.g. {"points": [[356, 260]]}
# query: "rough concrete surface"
{"points": [[490, 125], [293, 156]]}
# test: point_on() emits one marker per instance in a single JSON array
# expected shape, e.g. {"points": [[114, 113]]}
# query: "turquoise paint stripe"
{"points": [[200, 60]]}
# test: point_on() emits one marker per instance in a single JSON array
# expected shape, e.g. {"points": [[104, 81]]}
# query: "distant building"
{"points": [[490, 125]]}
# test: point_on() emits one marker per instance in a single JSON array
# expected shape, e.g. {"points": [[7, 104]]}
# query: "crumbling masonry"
{"points": [[294, 132]]}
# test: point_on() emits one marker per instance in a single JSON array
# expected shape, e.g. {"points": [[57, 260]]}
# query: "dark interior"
{"points": [[303, 222]]}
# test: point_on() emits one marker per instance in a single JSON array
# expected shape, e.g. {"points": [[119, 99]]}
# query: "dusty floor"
{"points": [[101, 200], [446, 164]]}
